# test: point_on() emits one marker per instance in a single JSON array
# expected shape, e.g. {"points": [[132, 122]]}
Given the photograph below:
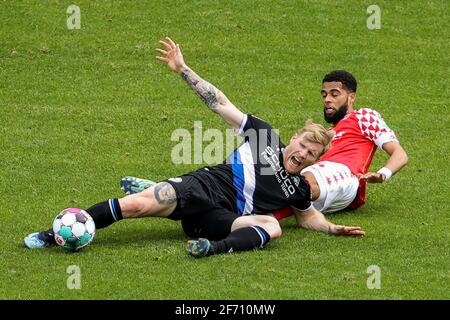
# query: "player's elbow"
{"points": [[218, 103], [400, 155], [222, 98], [403, 158]]}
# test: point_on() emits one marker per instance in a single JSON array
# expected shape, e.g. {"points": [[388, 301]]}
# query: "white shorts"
{"points": [[338, 185]]}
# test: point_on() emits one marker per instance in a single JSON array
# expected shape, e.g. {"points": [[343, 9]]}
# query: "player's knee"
{"points": [[275, 231], [272, 227]]}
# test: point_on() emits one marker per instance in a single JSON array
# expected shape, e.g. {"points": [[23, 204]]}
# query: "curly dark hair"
{"points": [[345, 77]]}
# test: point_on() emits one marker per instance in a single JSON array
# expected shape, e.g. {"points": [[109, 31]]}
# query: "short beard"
{"points": [[338, 116]]}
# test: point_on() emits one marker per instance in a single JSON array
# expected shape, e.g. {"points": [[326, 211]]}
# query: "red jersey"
{"points": [[357, 137]]}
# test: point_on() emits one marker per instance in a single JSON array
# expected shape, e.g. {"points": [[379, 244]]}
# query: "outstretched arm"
{"points": [[315, 220], [397, 160], [210, 95]]}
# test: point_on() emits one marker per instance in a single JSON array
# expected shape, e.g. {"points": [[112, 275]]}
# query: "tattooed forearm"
{"points": [[165, 193], [206, 91]]}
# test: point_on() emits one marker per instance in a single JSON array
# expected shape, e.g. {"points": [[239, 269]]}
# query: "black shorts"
{"points": [[204, 210], [213, 225]]}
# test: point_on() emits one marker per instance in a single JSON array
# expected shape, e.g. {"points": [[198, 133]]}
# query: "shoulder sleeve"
{"points": [[303, 203], [252, 122], [303, 207], [374, 127]]}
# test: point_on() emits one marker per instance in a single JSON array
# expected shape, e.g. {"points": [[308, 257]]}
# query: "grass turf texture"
{"points": [[82, 108]]}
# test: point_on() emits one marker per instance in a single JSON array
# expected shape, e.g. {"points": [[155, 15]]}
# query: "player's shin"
{"points": [[105, 213], [242, 239]]}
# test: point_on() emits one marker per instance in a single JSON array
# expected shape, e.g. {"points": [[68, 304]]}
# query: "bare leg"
{"points": [[157, 201]]}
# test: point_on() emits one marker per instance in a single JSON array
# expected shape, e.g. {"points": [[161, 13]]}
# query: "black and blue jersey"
{"points": [[252, 180]]}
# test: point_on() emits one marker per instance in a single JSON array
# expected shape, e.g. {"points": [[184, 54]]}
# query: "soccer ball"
{"points": [[73, 229]]}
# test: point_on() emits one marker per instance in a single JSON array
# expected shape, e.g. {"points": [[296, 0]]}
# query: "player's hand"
{"points": [[172, 55], [347, 231], [373, 177]]}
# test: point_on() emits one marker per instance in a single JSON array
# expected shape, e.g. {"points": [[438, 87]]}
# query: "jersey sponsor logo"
{"points": [[338, 135], [281, 175], [176, 180], [296, 180]]}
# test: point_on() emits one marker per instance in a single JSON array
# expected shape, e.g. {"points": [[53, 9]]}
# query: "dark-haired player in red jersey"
{"points": [[338, 180]]}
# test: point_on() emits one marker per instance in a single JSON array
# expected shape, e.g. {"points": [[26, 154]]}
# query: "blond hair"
{"points": [[317, 133]]}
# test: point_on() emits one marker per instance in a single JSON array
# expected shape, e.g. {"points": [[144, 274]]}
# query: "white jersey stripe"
{"points": [[249, 176]]}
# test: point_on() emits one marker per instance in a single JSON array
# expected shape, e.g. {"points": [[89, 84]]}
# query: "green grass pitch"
{"points": [[82, 108]]}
